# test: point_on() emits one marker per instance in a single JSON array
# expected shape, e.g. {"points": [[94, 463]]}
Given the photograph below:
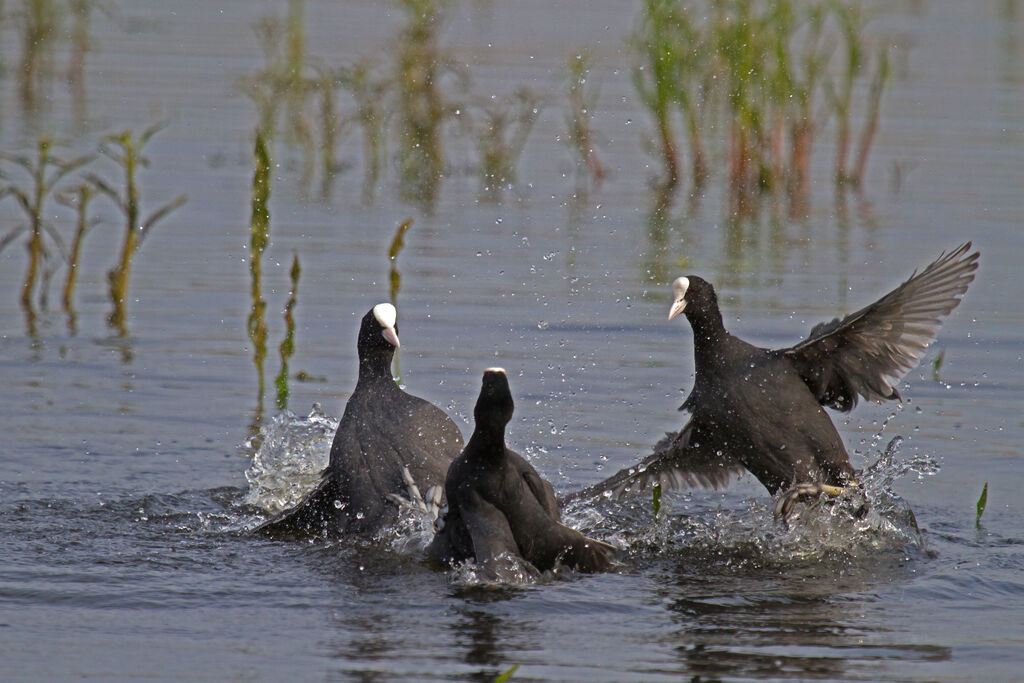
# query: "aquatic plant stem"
{"points": [[287, 347], [259, 237], [79, 201], [32, 201]]}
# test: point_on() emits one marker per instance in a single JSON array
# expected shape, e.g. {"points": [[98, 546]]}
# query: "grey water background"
{"points": [[124, 550]]}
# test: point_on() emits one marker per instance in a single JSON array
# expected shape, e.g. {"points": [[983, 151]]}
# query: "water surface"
{"points": [[125, 549]]}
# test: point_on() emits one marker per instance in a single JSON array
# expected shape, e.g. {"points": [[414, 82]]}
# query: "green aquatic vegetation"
{"points": [[259, 237], [397, 243], [982, 502], [658, 39], [937, 365], [125, 150], [501, 126], [504, 676], [45, 171], [78, 199], [287, 347], [656, 498], [581, 99], [752, 76]]}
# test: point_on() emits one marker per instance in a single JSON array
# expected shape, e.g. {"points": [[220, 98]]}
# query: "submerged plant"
{"points": [[45, 170], [125, 149]]}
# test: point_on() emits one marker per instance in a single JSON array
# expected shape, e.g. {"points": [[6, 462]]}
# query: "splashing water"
{"points": [[288, 455], [869, 521], [290, 452]]}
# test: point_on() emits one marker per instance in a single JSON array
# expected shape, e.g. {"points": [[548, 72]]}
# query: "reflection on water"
{"points": [[420, 64], [368, 89], [793, 627], [581, 99], [39, 21], [500, 128], [485, 636]]}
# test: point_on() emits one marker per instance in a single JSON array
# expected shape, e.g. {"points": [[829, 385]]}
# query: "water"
{"points": [[125, 549]]}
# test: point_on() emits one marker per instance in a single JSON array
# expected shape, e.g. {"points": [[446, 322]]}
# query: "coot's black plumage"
{"points": [[761, 409], [383, 432], [499, 509]]}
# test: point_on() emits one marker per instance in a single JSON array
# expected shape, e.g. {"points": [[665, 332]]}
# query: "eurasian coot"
{"points": [[500, 511], [760, 409], [385, 435]]}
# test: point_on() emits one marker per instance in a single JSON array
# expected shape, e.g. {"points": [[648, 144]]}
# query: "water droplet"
{"points": [[542, 325]]}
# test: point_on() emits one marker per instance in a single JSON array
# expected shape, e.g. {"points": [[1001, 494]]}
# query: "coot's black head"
{"points": [[494, 407], [378, 333], [694, 296]]}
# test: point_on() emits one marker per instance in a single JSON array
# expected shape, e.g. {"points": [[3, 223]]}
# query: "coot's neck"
{"points": [[487, 441], [375, 366], [708, 334]]}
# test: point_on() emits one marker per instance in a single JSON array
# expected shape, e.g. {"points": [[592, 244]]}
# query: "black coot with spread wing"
{"points": [[499, 509], [761, 409], [383, 435]]}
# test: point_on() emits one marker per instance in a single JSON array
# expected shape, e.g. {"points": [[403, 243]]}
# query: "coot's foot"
{"points": [[812, 493], [429, 505]]}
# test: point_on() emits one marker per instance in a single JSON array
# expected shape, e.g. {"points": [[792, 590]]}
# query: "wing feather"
{"points": [[680, 460], [866, 353]]}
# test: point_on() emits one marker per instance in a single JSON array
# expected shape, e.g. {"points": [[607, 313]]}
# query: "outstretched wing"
{"points": [[867, 352], [679, 460]]}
